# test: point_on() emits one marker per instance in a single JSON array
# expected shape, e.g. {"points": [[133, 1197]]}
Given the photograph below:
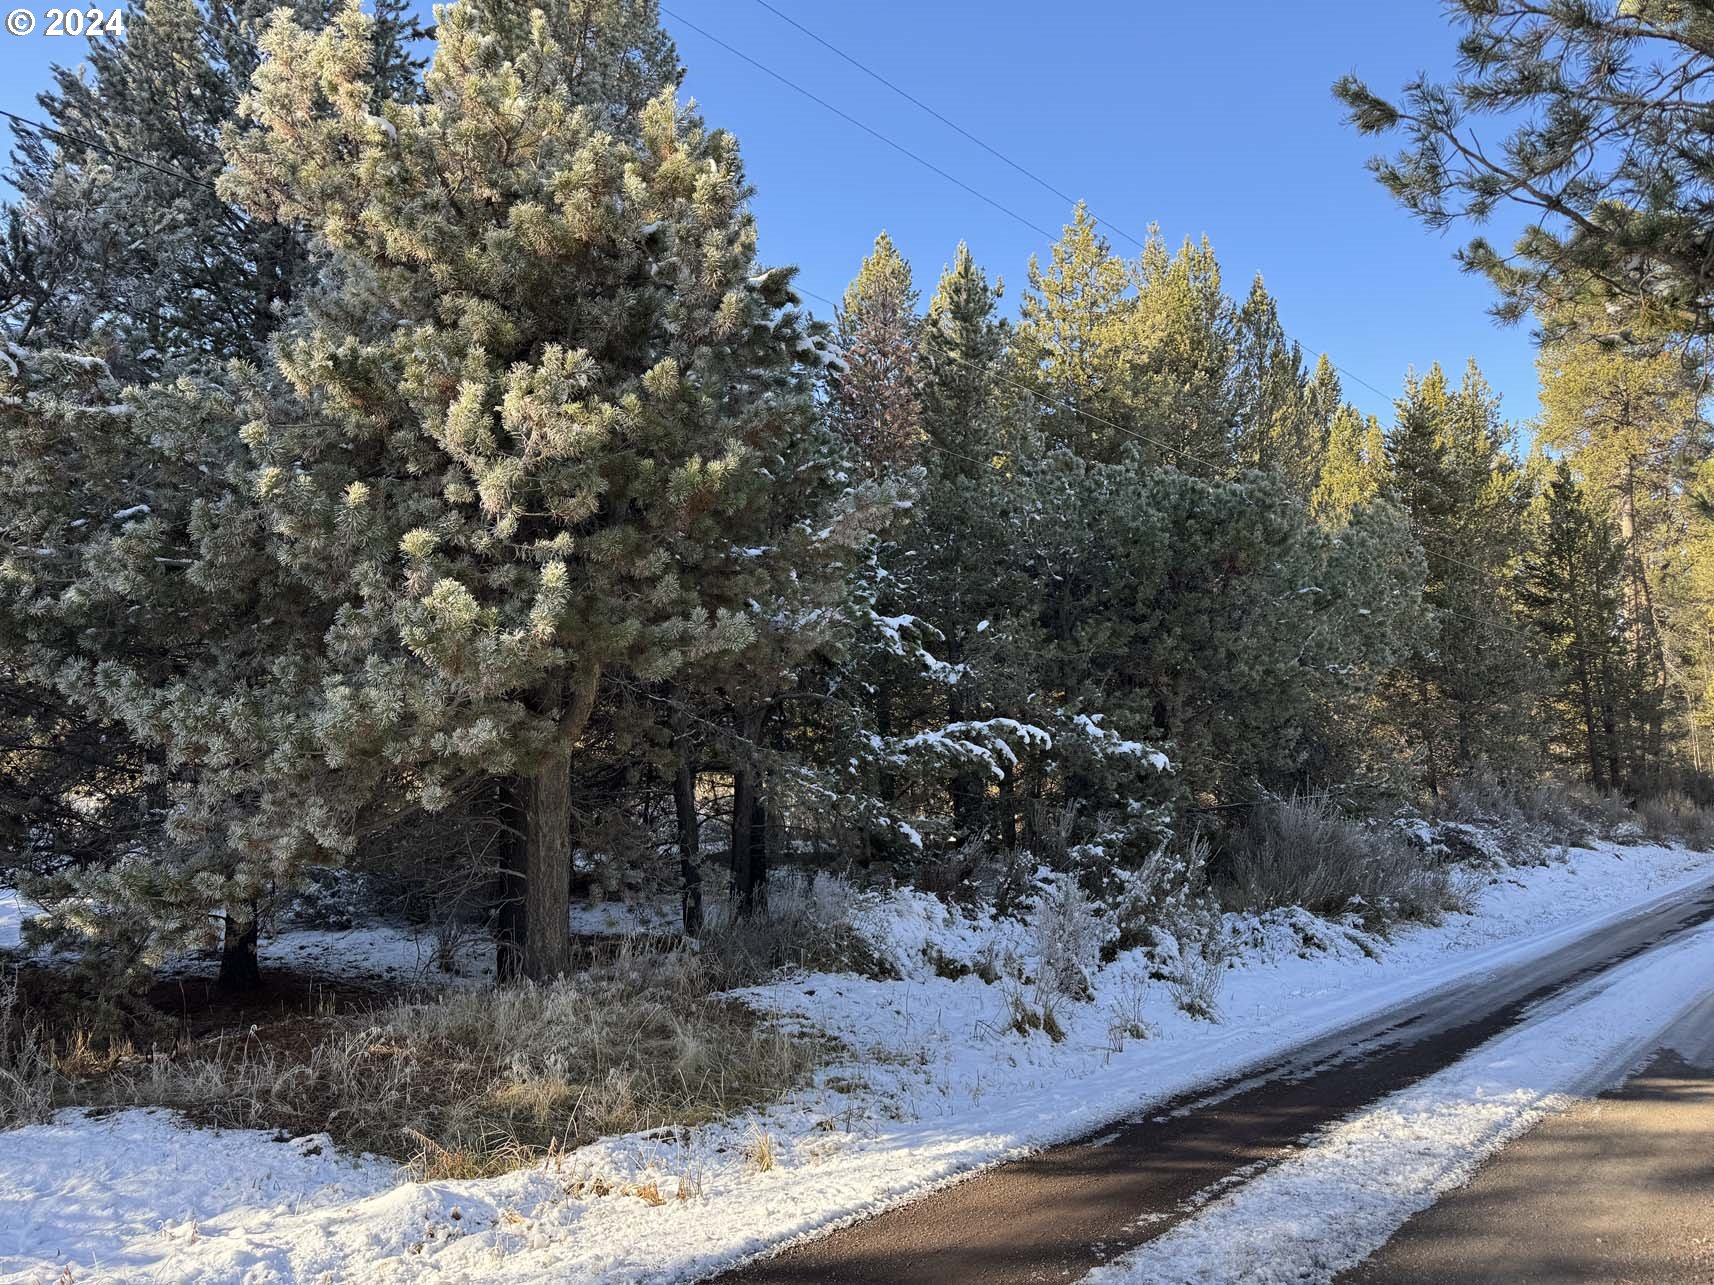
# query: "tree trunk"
{"points": [[689, 838], [547, 870], [240, 972], [748, 870], [1590, 739], [509, 894], [749, 859], [1427, 730]]}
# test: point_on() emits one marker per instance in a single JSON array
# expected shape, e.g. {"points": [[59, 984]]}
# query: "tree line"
{"points": [[406, 463]]}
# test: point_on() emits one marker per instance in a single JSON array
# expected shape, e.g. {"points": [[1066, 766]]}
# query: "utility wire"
{"points": [[102, 147], [959, 129], [867, 129]]}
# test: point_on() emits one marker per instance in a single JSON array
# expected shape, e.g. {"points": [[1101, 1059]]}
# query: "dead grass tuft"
{"points": [[1303, 852], [467, 1082]]}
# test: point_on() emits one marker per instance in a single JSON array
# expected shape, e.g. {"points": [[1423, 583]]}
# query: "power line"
{"points": [[950, 124], [867, 129], [102, 147], [959, 129]]}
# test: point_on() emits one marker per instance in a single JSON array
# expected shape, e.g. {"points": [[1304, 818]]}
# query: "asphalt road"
{"points": [[1618, 1190], [1054, 1215]]}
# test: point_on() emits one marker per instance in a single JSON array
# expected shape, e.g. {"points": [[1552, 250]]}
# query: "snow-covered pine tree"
{"points": [[141, 261], [122, 263]]}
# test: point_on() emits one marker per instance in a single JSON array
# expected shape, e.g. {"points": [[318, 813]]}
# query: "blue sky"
{"points": [[1212, 118]]}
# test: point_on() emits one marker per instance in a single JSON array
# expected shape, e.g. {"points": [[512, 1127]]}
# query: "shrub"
{"points": [[807, 925], [1068, 939], [1195, 981], [1674, 815], [1303, 852]]}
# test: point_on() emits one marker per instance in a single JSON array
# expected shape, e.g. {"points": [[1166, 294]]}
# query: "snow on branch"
{"points": [[984, 743], [897, 636], [1106, 743]]}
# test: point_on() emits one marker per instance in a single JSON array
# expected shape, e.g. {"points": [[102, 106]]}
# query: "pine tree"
{"points": [[1184, 333], [1573, 582], [1074, 343], [951, 562], [1355, 470], [139, 265], [874, 394], [145, 263], [1274, 406], [494, 471], [1467, 687], [1626, 419], [1595, 141]]}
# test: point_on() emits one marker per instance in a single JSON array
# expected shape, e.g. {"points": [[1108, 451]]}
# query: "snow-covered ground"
{"points": [[939, 1087], [12, 914], [1340, 1199]]}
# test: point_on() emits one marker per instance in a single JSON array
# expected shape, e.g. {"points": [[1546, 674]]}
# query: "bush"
{"points": [[1068, 939], [1674, 816], [807, 925], [1303, 852]]}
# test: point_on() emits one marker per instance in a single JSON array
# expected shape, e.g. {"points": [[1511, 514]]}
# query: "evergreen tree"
{"points": [[1184, 333], [138, 265], [1572, 588], [1074, 342], [540, 381], [1467, 687], [1355, 470], [1275, 408], [1607, 148], [1626, 419], [874, 395], [145, 263]]}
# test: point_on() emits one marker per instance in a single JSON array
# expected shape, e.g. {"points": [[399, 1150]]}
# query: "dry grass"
{"points": [[463, 1082], [26, 1063], [1303, 852], [1673, 816]]}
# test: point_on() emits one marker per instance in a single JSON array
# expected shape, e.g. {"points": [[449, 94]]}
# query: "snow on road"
{"points": [[1339, 1200], [938, 1089]]}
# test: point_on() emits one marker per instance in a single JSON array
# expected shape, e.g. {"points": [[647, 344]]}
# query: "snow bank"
{"points": [[1342, 1198], [937, 1088]]}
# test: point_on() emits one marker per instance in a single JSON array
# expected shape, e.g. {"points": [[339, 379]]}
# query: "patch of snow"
{"points": [[12, 916]]}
